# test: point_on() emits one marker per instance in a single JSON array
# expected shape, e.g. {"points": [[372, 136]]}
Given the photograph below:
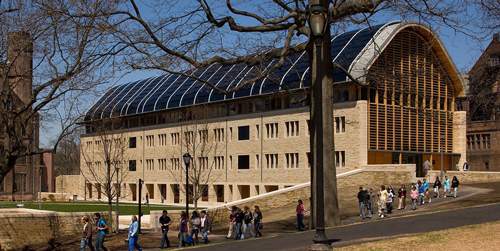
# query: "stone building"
{"points": [[482, 106], [401, 111], [32, 173]]}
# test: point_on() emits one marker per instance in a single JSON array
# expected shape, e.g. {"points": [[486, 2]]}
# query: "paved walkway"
{"points": [[372, 230]]}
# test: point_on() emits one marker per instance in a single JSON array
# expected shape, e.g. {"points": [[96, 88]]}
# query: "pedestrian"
{"points": [[466, 166], [205, 226], [183, 229], [402, 197], [238, 223], [362, 197], [300, 210], [382, 201], [446, 186], [437, 186], [390, 200], [86, 234], [232, 217], [257, 221], [102, 230], [425, 186], [414, 197], [165, 226], [371, 203], [421, 192], [195, 226], [133, 235], [427, 167], [454, 185], [247, 223]]}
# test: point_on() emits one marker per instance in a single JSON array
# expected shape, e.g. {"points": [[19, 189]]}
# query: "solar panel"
{"points": [[178, 90]]}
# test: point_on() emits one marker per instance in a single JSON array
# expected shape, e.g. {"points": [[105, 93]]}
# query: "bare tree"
{"points": [[106, 167], [50, 57], [199, 140]]}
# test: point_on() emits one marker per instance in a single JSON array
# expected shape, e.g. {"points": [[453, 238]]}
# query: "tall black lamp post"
{"points": [[187, 161], [323, 178]]}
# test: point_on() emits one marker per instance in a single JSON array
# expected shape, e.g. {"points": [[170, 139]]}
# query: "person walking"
{"points": [[437, 186], [402, 197], [238, 223], [183, 229], [102, 230], [371, 201], [133, 235], [414, 197], [427, 167], [232, 217], [382, 201], [421, 192], [257, 221], [454, 185], [165, 226], [86, 240], [390, 200], [446, 186], [195, 226], [300, 210], [425, 186], [247, 223], [362, 198], [205, 226]]}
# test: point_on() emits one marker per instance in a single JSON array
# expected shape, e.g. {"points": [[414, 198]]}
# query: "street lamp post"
{"points": [[323, 177], [441, 174], [187, 161]]}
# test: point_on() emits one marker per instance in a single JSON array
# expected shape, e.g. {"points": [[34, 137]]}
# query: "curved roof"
{"points": [[354, 50]]}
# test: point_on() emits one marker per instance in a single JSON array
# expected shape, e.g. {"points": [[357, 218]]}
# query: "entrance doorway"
{"points": [[414, 158]]}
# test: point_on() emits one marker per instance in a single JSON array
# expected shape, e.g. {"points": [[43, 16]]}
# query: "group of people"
{"points": [[419, 194], [244, 223], [101, 230], [190, 229]]}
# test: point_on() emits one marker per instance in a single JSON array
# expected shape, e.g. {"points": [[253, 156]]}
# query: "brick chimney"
{"points": [[20, 61]]}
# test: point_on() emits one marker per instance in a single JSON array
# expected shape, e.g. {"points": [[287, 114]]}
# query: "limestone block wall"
{"points": [[24, 229], [71, 184], [460, 137], [469, 177]]}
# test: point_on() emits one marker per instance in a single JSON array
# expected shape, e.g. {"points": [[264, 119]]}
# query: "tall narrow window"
{"points": [[243, 133], [132, 142]]}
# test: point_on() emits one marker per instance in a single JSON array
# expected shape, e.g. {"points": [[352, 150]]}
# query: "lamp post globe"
{"points": [[317, 20]]}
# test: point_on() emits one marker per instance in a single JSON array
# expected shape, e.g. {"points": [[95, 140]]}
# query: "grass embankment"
{"points": [[475, 237], [125, 208]]}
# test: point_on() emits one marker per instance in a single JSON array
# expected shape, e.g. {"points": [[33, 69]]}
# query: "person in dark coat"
{"points": [[165, 226]]}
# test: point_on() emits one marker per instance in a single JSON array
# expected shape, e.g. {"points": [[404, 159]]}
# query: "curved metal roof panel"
{"points": [[179, 90]]}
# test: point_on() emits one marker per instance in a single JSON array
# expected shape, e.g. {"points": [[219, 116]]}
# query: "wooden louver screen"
{"points": [[411, 99]]}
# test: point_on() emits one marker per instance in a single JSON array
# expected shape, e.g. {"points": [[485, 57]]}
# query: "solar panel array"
{"points": [[178, 90]]}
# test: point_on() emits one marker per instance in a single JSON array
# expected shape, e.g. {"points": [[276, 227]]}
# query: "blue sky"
{"points": [[463, 49]]}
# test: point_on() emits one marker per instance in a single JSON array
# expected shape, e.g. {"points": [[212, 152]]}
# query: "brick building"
{"points": [[482, 106], [32, 173], [404, 114]]}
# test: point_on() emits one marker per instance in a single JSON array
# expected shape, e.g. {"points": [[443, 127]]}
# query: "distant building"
{"points": [[33, 173], [405, 114], [483, 109]]}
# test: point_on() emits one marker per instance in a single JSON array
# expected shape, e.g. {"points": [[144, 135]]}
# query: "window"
{"points": [[487, 165], [162, 139], [257, 161], [132, 165], [150, 140], [98, 142], [97, 164], [243, 162], [219, 134], [189, 137], [162, 164], [243, 133], [292, 160], [2, 189], [174, 137], [339, 124], [292, 128], [257, 130], [175, 163], [272, 161], [89, 143], [308, 127], [203, 136], [132, 142], [486, 141], [203, 162], [219, 162], [150, 164], [309, 160], [340, 158], [272, 130]]}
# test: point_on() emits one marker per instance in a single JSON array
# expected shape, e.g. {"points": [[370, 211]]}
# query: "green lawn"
{"points": [[125, 208]]}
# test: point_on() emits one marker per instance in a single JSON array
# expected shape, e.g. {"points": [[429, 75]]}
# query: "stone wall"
{"points": [[71, 184], [347, 188], [469, 177], [24, 228]]}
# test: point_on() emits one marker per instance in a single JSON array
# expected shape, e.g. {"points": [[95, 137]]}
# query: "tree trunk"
{"points": [[110, 212]]}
